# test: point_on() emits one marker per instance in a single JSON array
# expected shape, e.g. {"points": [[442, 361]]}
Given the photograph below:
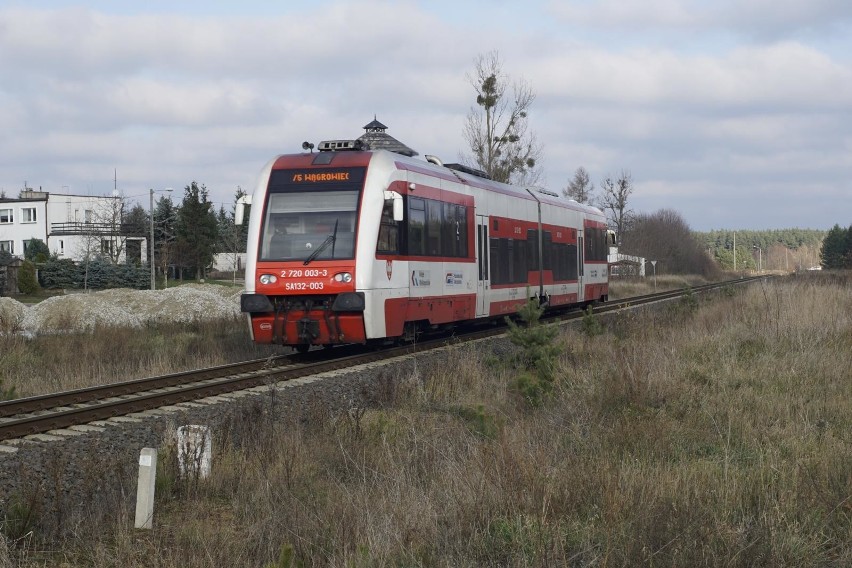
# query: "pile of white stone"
{"points": [[120, 308]]}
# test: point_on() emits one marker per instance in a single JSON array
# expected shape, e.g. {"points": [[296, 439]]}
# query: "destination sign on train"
{"points": [[317, 177]]}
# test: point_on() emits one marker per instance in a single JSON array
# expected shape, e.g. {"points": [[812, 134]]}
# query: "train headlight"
{"points": [[344, 277], [268, 279]]}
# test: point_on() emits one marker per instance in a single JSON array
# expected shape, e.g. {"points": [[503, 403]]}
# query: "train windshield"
{"points": [[307, 221]]}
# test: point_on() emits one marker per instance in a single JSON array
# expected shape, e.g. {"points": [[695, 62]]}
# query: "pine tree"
{"points": [[197, 230], [538, 352], [833, 251], [165, 218], [27, 282]]}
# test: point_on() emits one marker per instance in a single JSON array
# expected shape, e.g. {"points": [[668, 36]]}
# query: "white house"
{"points": [[72, 226]]}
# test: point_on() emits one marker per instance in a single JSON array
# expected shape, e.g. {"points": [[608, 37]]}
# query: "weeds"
{"points": [[479, 421], [59, 362], [7, 393], [22, 515], [703, 441], [591, 325]]}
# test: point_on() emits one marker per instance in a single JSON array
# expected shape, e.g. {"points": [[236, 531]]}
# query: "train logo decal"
{"points": [[454, 279], [421, 278], [389, 268]]}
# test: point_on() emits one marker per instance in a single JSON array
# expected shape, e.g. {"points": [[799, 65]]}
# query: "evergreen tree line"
{"points": [[188, 234], [789, 238], [775, 249], [836, 249]]}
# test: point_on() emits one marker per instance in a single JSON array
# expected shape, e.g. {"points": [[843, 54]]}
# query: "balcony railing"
{"points": [[102, 229]]}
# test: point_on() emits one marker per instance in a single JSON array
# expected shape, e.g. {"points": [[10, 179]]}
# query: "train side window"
{"points": [[416, 227], [559, 267], [548, 250], [434, 224], [590, 241], [462, 230], [519, 263], [532, 250], [454, 230], [388, 231], [571, 259], [499, 268], [596, 248]]}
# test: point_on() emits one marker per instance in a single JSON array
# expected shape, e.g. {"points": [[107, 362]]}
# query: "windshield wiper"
{"points": [[329, 240]]}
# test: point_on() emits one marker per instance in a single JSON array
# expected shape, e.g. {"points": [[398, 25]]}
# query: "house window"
{"points": [[61, 246], [89, 215], [7, 246], [28, 215], [106, 247], [6, 216]]}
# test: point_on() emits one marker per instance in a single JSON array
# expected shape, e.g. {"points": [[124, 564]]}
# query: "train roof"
{"points": [[451, 172], [354, 153]]}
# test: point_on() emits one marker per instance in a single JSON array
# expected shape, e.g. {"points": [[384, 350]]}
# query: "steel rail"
{"points": [[103, 402], [79, 396]]}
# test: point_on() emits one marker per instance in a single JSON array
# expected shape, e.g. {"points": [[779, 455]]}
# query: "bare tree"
{"points": [[580, 188], [666, 237], [232, 237], [613, 201], [104, 233], [496, 128]]}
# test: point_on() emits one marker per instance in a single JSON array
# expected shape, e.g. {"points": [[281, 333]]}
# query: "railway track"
{"points": [[40, 414]]}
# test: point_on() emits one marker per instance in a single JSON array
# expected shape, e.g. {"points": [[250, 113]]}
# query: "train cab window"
{"points": [[388, 231], [297, 223]]}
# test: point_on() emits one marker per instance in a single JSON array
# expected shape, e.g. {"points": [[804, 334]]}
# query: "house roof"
{"points": [[377, 139]]}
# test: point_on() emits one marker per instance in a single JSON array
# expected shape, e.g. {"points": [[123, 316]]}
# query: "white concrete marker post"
{"points": [[145, 488], [194, 451]]}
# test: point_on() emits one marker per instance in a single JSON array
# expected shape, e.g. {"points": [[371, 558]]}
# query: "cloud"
{"points": [[166, 97], [759, 19]]}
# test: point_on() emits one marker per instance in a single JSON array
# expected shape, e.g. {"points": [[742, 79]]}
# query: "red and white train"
{"points": [[348, 245]]}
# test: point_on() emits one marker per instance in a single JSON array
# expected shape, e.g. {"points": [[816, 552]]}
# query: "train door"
{"points": [[581, 262], [483, 280]]}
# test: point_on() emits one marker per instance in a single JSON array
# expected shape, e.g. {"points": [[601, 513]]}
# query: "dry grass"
{"points": [[51, 363], [712, 434], [628, 287]]}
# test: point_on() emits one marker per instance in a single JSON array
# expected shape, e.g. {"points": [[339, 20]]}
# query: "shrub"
{"points": [[591, 324], [98, 274], [7, 393], [60, 273], [37, 251], [27, 281], [538, 352]]}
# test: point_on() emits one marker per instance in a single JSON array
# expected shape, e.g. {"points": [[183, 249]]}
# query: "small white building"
{"points": [[625, 264], [72, 226]]}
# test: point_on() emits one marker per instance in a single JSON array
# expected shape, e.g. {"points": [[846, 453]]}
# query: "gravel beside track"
{"points": [[120, 307]]}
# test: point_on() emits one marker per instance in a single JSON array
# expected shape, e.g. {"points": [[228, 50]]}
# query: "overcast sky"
{"points": [[736, 113]]}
